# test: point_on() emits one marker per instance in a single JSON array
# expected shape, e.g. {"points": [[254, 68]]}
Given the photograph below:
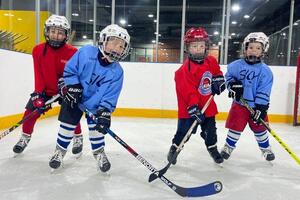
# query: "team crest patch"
{"points": [[205, 84]]}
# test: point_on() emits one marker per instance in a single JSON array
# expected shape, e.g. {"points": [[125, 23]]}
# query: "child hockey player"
{"points": [[93, 81], [49, 59], [251, 79], [196, 80]]}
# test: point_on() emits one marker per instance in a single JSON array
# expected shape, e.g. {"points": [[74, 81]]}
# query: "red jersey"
{"points": [[49, 66], [193, 85]]}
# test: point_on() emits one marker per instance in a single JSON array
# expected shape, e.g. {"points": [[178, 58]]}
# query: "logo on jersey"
{"points": [[63, 61], [205, 84]]}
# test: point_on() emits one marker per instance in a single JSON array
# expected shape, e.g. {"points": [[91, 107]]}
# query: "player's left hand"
{"points": [[217, 84], [260, 113], [103, 121], [196, 114]]}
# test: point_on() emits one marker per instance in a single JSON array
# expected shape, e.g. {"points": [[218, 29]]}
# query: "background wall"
{"points": [[146, 86]]}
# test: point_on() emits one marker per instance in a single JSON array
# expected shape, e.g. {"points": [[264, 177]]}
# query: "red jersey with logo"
{"points": [[193, 85], [49, 66]]}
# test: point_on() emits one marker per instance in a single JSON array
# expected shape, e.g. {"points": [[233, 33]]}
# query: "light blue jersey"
{"points": [[101, 84], [257, 80]]}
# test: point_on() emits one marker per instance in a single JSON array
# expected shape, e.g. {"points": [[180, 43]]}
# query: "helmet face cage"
{"points": [[256, 37], [196, 35], [113, 32], [58, 22]]}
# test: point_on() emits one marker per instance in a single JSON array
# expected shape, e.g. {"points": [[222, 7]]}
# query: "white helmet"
{"points": [[257, 37], [116, 31], [60, 22]]}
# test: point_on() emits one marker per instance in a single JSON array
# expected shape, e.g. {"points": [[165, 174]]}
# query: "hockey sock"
{"points": [[96, 138], [232, 138], [262, 139], [65, 135]]}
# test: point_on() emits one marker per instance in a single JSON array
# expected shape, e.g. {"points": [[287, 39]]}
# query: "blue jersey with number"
{"points": [[101, 84], [257, 80]]}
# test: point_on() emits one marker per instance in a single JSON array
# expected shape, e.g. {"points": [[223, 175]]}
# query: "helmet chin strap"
{"points": [[252, 59]]}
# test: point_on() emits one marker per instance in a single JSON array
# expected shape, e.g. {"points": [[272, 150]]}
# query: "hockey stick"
{"points": [[3, 134], [161, 172], [272, 133], [204, 190]]}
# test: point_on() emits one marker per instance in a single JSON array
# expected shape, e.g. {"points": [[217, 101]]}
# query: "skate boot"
{"points": [[268, 154], [226, 151], [77, 144], [57, 158], [102, 161], [214, 153], [171, 153], [22, 143]]}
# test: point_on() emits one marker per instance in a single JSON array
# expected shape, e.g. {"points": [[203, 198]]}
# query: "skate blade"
{"points": [[270, 163], [17, 155], [220, 165], [53, 171], [78, 156]]}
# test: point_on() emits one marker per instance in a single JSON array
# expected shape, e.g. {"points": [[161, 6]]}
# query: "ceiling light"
{"points": [[155, 21], [296, 23], [75, 14], [233, 34], [150, 15], [129, 25], [84, 36], [91, 20], [216, 33], [233, 22], [122, 21], [153, 41], [235, 7], [246, 16]]}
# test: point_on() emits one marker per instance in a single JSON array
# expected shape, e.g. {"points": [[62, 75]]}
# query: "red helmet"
{"points": [[195, 34]]}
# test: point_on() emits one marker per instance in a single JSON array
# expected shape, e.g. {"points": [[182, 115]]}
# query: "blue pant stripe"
{"points": [[63, 144], [230, 142], [96, 139], [67, 128], [97, 146], [64, 137]]}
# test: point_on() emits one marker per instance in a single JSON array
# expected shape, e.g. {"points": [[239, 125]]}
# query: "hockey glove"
{"points": [[38, 102], [196, 114], [62, 89], [73, 95], [103, 117], [236, 90], [260, 113], [217, 84]]}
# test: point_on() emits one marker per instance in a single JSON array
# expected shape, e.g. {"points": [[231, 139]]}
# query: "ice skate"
{"points": [[77, 146], [214, 153], [57, 159], [226, 151], [268, 154], [21, 144], [171, 153], [102, 160]]}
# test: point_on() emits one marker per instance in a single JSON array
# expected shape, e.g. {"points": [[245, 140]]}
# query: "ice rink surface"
{"points": [[246, 175]]}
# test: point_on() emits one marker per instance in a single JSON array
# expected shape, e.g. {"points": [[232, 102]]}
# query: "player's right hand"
{"points": [[73, 95], [235, 90]]}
